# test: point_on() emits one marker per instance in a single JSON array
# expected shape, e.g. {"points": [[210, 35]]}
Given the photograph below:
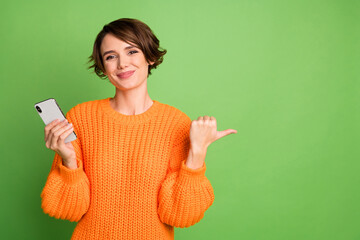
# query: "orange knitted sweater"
{"points": [[131, 181]]}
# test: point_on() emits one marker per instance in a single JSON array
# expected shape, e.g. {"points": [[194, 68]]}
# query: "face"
{"points": [[120, 57]]}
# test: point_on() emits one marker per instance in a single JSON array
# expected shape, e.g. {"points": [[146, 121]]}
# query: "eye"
{"points": [[111, 56], [107, 58]]}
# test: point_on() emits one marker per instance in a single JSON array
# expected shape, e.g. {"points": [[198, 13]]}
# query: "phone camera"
{"points": [[39, 109]]}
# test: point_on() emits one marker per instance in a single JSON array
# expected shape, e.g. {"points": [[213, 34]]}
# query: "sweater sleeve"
{"points": [[66, 194], [186, 193]]}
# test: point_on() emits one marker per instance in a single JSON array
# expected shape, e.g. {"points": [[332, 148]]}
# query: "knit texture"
{"points": [[131, 181]]}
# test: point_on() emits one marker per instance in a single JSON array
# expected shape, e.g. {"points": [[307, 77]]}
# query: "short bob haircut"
{"points": [[131, 31]]}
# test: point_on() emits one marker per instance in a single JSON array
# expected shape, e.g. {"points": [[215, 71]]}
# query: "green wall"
{"points": [[284, 74]]}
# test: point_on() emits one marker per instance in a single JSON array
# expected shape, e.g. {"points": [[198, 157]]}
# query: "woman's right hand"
{"points": [[55, 134]]}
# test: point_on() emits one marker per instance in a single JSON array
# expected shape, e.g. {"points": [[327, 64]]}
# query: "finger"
{"points": [[59, 134], [213, 121], [49, 127], [53, 129], [58, 126], [56, 135], [206, 117], [66, 133], [230, 131], [54, 122], [200, 118], [224, 133], [48, 141], [49, 132]]}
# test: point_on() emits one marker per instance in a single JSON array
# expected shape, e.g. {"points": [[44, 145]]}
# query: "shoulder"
{"points": [[83, 108], [180, 123], [174, 114]]}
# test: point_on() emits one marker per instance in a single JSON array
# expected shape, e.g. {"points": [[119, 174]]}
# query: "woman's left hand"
{"points": [[203, 132]]}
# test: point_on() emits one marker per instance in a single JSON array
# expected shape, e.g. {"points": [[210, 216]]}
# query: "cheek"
{"points": [[109, 66], [140, 62]]}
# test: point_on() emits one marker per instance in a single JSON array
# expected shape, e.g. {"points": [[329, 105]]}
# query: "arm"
{"points": [[66, 194], [186, 193]]}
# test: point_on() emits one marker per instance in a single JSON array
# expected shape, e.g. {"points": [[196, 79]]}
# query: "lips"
{"points": [[125, 74]]}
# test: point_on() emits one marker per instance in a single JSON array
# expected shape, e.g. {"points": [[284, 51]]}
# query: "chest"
{"points": [[126, 156]]}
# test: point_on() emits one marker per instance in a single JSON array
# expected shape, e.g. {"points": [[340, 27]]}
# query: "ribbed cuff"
{"points": [[71, 176], [189, 172]]}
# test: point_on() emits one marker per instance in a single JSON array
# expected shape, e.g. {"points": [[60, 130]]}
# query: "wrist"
{"points": [[71, 163], [195, 150], [196, 158]]}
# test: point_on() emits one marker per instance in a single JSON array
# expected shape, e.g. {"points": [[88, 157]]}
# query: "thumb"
{"points": [[224, 133]]}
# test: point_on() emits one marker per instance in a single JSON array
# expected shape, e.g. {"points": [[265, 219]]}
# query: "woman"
{"points": [[136, 169]]}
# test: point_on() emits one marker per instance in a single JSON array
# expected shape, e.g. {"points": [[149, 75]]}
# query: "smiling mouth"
{"points": [[125, 75]]}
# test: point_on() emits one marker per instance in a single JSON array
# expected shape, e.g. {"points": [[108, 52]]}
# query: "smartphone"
{"points": [[49, 110]]}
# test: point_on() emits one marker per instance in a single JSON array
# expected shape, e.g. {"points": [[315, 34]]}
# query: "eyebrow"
{"points": [[110, 51]]}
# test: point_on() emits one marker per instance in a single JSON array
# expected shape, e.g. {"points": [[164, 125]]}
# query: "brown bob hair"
{"points": [[131, 31]]}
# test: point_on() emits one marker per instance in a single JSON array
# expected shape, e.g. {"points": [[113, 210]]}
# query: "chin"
{"points": [[126, 86]]}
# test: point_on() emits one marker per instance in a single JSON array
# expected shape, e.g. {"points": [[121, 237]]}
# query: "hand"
{"points": [[203, 132], [55, 134]]}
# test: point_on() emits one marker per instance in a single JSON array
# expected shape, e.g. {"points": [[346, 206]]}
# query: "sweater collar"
{"points": [[129, 119]]}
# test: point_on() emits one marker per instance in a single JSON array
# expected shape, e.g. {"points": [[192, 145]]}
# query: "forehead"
{"points": [[110, 42]]}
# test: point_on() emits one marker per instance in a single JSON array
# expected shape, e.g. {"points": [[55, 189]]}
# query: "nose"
{"points": [[122, 62]]}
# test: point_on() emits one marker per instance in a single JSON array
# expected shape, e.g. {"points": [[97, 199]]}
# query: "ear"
{"points": [[151, 63]]}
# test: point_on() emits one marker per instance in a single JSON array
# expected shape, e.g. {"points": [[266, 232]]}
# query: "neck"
{"points": [[131, 102]]}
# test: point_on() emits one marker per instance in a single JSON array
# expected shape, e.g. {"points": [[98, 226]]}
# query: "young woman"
{"points": [[137, 167]]}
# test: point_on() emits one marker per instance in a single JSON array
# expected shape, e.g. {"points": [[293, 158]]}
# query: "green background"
{"points": [[284, 74]]}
